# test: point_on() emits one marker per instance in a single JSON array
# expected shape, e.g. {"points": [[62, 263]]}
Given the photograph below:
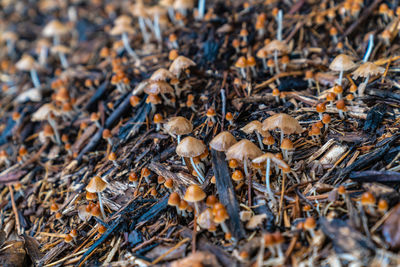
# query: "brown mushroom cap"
{"points": [[287, 144], [174, 199], [179, 64], [190, 147], [123, 20], [119, 29], [183, 4], [368, 69], [276, 45], [222, 141], [286, 123], [178, 126], [342, 63], [194, 193], [96, 185], [157, 87], [243, 150], [251, 127], [26, 63], [55, 28], [162, 75]]}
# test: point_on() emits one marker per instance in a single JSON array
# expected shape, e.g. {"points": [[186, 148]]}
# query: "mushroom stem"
{"points": [[279, 21], [35, 78], [43, 55], [320, 115], [63, 60], [197, 210], [341, 114], [366, 80], [276, 61], [157, 29], [260, 141], [224, 227], [223, 100], [56, 40], [246, 172], [101, 206], [243, 72], [267, 182], [369, 48], [340, 77], [282, 136], [127, 46], [171, 14], [54, 126], [198, 171], [264, 61], [253, 70], [201, 8], [142, 26]]}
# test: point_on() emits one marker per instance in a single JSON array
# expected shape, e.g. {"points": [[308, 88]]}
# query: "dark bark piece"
{"points": [[346, 239], [13, 256], [391, 228], [374, 118], [11, 177], [375, 176], [227, 193], [32, 249]]}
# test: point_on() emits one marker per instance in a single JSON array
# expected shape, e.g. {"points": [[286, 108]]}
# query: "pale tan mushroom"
{"points": [[191, 147], [223, 141], [284, 122], [342, 63]]}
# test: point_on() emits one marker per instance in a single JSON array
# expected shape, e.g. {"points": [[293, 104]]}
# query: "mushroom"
{"points": [[223, 141], [254, 126], [55, 29], [366, 70], [180, 64], [178, 126], [191, 147], [194, 194], [174, 200], [27, 63], [321, 108], [97, 185], [220, 216], [341, 106], [162, 75], [61, 51], [342, 63], [124, 30], [267, 157], [263, 55], [286, 123], [241, 63], [286, 146], [277, 47], [160, 87]]}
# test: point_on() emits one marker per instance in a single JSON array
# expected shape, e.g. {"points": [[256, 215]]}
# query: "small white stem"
{"points": [[63, 60], [260, 141], [201, 8], [369, 48], [128, 48], [340, 77], [199, 173], [35, 78], [101, 206], [279, 20]]}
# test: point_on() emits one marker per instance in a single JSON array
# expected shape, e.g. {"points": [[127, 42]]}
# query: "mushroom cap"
{"points": [[96, 185], [166, 3], [243, 150], [220, 215], [183, 4], [342, 63], [190, 147], [26, 63], [368, 69], [156, 10], [162, 75], [119, 29], [55, 28], [251, 127], [262, 53], [60, 49], [178, 126], [287, 144], [179, 64], [276, 45], [123, 20], [44, 111], [9, 35], [174, 199], [157, 87], [138, 9], [222, 141], [286, 123], [241, 62], [194, 193], [263, 158]]}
